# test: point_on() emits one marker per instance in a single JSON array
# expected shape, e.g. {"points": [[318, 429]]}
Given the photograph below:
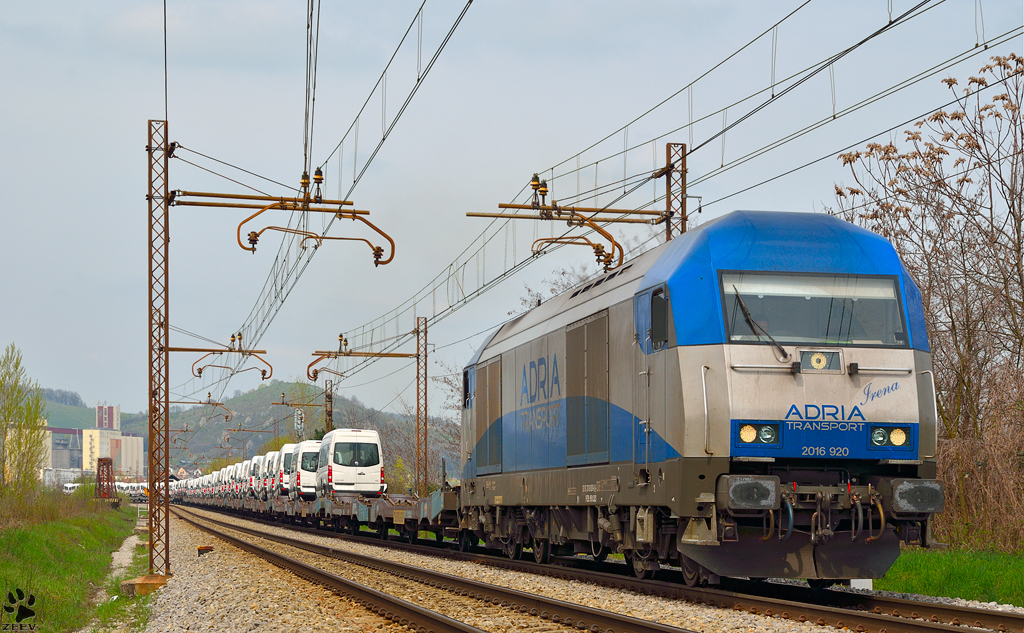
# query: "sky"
{"points": [[521, 87]]}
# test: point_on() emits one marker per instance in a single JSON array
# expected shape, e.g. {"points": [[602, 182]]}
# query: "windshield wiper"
{"points": [[754, 326]]}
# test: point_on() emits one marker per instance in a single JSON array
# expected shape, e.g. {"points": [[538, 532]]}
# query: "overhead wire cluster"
{"points": [[450, 289]]}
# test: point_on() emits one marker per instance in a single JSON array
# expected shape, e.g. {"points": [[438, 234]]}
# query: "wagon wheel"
{"points": [[439, 536], [466, 540], [600, 553], [820, 583], [541, 550], [382, 530], [411, 534]]}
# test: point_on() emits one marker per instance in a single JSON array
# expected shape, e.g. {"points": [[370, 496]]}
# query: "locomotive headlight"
{"points": [[748, 434], [897, 437], [878, 436], [767, 434]]}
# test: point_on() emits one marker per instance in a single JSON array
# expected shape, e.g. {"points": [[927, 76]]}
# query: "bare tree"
{"points": [[951, 203], [560, 280]]}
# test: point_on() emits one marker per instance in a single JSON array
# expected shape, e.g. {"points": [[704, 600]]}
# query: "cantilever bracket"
{"points": [[255, 353], [254, 236]]}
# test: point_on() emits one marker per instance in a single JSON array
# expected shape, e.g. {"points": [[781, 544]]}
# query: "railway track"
{"points": [[857, 612], [529, 606]]}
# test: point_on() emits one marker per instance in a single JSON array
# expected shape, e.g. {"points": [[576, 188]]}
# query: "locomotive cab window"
{"points": [[810, 309]]}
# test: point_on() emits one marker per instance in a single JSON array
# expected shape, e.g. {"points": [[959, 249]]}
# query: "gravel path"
{"points": [[664, 610], [232, 590]]}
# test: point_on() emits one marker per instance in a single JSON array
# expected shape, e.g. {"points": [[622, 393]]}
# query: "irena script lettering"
{"points": [[870, 393]]}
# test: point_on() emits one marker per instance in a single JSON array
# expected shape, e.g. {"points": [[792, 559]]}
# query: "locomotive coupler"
{"points": [[821, 520]]}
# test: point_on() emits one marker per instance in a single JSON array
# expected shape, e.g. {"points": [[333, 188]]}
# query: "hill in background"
{"points": [[200, 433]]}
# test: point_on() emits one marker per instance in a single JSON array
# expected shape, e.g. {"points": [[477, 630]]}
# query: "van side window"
{"points": [[288, 463], [324, 452], [356, 454]]}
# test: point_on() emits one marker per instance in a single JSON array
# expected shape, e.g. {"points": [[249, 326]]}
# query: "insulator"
{"points": [[318, 176], [543, 191], [535, 183], [253, 239], [305, 179]]}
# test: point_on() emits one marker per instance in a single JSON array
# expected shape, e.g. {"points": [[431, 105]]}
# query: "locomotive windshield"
{"points": [[808, 309]]}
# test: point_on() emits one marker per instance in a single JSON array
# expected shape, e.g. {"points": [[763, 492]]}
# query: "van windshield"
{"points": [[802, 309], [310, 461], [356, 454]]}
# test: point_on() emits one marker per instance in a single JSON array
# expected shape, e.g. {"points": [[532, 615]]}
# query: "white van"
{"points": [[242, 476], [351, 460], [284, 469], [255, 472], [269, 475], [305, 460]]}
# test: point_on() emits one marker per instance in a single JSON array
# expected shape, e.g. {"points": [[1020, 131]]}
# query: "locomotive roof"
{"points": [[688, 267]]}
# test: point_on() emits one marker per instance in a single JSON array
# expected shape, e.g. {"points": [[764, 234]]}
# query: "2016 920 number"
{"points": [[821, 451]]}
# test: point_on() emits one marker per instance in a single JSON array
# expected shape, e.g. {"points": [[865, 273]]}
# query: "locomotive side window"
{"points": [[810, 309], [465, 390], [659, 320]]}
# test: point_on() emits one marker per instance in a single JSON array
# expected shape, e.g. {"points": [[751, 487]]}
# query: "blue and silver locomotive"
{"points": [[753, 398]]}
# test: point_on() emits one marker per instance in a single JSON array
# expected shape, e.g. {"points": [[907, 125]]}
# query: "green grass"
{"points": [[984, 576], [61, 562]]}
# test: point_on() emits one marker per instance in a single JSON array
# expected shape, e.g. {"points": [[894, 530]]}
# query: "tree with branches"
{"points": [[22, 425], [950, 200]]}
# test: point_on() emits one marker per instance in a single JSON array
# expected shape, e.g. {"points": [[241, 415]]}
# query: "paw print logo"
{"points": [[21, 605]]}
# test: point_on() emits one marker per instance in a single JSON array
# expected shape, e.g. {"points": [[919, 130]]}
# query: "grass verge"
{"points": [[985, 576], [61, 563], [120, 612]]}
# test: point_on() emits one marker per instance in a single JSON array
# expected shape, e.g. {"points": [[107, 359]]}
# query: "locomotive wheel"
{"points": [[541, 551], [514, 549], [691, 572], [639, 569]]}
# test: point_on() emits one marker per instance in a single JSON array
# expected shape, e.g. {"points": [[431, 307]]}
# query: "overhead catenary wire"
{"points": [[705, 205]]}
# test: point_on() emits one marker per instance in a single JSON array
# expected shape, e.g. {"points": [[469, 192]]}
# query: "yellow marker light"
{"points": [[748, 434], [897, 437]]}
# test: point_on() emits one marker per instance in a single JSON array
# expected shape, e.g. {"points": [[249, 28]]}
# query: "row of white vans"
{"points": [[344, 461]]}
